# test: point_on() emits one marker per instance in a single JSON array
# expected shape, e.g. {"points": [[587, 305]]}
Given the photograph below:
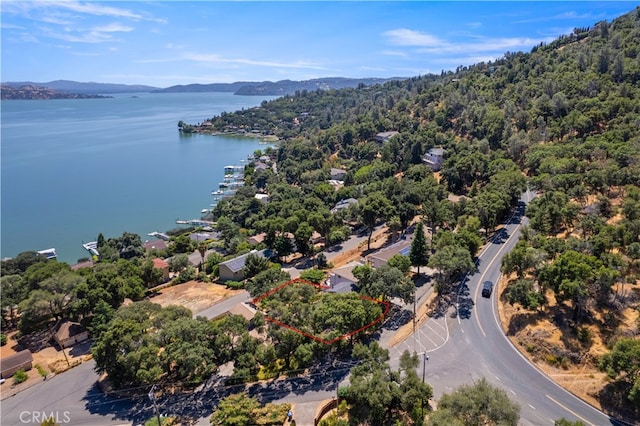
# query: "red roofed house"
{"points": [[164, 266]]}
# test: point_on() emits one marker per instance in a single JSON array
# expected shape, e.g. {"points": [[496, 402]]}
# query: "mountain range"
{"points": [[264, 88]]}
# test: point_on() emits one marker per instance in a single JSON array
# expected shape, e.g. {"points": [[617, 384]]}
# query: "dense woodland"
{"points": [[562, 120]]}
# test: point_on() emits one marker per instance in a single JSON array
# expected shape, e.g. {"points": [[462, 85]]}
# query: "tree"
{"points": [[313, 275], [375, 207], [54, 298], [450, 260], [419, 254], [401, 262], [254, 264], [240, 410], [479, 404], [623, 364], [302, 238], [178, 262]]}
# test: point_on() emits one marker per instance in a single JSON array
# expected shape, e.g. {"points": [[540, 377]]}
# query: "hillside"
{"points": [[565, 116]]}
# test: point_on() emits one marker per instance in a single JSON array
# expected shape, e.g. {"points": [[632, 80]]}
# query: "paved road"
{"points": [[477, 348]]}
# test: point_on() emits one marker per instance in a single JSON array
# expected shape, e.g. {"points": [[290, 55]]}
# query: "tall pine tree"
{"points": [[419, 254]]}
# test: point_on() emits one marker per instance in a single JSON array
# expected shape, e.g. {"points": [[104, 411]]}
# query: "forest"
{"points": [[562, 120]]}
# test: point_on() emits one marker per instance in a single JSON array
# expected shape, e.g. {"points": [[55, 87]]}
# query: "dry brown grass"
{"points": [[551, 342], [193, 295]]}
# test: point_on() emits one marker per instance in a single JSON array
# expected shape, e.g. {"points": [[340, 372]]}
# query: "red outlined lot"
{"points": [[385, 310]]}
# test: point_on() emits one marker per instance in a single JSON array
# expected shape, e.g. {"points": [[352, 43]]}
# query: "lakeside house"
{"points": [[163, 265]]}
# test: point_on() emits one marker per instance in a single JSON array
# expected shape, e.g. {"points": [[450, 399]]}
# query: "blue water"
{"points": [[71, 169]]}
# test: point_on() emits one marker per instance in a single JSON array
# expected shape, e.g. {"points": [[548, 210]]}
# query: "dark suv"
{"points": [[487, 287]]}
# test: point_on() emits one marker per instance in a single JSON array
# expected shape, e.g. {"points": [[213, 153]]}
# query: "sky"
{"points": [[166, 43]]}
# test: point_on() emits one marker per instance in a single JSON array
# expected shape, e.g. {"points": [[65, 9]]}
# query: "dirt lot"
{"points": [[196, 296]]}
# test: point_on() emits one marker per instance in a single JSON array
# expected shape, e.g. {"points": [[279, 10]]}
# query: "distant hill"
{"points": [[279, 88], [213, 87], [30, 92], [83, 88]]}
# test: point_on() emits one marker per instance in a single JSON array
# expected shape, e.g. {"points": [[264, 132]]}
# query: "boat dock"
{"points": [[91, 247], [159, 235]]}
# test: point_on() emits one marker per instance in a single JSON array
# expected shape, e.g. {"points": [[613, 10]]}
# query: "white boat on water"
{"points": [[204, 211]]}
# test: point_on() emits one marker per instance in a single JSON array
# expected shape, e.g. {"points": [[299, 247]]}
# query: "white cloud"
{"points": [[217, 59], [88, 8], [427, 43], [395, 53], [406, 37], [113, 28]]}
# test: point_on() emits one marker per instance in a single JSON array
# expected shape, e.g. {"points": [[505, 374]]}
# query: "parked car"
{"points": [[487, 288]]}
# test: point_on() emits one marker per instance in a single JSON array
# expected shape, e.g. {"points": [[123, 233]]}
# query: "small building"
{"points": [[22, 360], [381, 257], [262, 197], [385, 136], [69, 333], [338, 174], [233, 269], [434, 158], [344, 204], [163, 266]]}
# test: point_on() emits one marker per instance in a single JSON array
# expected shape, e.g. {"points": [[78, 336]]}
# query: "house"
{"points": [[434, 158], [69, 333], [163, 266], [338, 174], [259, 166], [233, 269], [22, 360], [158, 244], [381, 257], [341, 280], [344, 204], [385, 136], [257, 239]]}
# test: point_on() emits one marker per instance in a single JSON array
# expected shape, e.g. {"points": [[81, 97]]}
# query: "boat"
{"points": [[204, 211]]}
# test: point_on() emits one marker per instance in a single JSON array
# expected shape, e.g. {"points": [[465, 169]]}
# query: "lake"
{"points": [[73, 168]]}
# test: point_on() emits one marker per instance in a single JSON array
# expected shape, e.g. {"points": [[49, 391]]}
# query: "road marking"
{"points": [[512, 391], [498, 379], [532, 406], [572, 412]]}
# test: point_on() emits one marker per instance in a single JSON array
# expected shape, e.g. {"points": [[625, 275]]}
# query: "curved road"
{"points": [[477, 347]]}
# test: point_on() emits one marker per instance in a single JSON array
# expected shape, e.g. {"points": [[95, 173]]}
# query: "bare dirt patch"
{"points": [[193, 295]]}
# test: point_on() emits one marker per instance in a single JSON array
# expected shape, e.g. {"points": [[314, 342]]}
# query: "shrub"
{"points": [[235, 285], [3, 339], [20, 376]]}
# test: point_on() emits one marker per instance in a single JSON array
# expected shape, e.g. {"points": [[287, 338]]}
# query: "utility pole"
{"points": [[152, 397], [424, 368]]}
